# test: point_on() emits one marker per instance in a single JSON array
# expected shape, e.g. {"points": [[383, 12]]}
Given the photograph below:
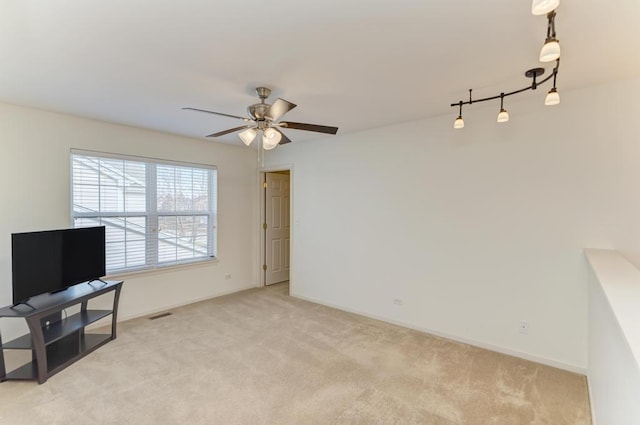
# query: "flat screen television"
{"points": [[53, 260]]}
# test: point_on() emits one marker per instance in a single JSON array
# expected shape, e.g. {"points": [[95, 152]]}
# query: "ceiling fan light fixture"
{"points": [[271, 138], [542, 7], [248, 136], [263, 117]]}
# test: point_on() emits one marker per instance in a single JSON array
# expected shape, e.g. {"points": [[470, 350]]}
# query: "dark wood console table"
{"points": [[57, 342]]}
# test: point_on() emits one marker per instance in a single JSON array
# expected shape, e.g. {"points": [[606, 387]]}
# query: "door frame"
{"points": [[261, 219]]}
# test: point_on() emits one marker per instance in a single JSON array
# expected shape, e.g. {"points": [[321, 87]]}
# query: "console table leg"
{"points": [[3, 370], [83, 309], [38, 346], [114, 316]]}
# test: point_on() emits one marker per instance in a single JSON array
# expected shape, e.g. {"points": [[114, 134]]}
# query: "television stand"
{"points": [[57, 343], [104, 282], [22, 303]]}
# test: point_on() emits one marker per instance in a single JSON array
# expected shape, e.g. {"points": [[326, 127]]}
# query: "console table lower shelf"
{"points": [[54, 342]]}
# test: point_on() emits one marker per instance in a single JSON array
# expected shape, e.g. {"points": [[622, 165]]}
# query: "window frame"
{"points": [[152, 214]]}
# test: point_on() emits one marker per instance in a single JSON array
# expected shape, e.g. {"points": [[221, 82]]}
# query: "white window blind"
{"points": [[156, 213]]}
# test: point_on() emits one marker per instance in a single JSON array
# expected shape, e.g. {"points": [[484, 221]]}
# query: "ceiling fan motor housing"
{"points": [[258, 110]]}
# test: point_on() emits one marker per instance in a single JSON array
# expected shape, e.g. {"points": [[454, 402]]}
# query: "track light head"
{"points": [[542, 7], [553, 97], [503, 116], [550, 51], [459, 122]]}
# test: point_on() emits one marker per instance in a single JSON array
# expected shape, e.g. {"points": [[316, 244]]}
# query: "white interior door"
{"points": [[277, 228]]}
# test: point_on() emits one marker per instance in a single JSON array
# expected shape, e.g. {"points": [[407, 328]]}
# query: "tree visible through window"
{"points": [[156, 213]]}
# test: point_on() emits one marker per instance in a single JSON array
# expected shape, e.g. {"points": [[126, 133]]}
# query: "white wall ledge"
{"points": [[620, 282], [614, 339]]}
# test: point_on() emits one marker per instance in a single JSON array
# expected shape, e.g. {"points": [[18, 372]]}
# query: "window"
{"points": [[156, 213]]}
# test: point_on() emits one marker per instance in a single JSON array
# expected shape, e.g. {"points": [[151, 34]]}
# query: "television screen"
{"points": [[83, 255], [53, 260]]}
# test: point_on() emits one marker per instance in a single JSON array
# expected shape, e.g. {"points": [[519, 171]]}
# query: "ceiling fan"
{"points": [[264, 118]]}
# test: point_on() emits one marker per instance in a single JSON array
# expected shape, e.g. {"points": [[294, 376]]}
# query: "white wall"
{"points": [[474, 229], [614, 339], [34, 170]]}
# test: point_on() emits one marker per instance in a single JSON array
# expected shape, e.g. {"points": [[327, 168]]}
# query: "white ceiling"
{"points": [[355, 64]]}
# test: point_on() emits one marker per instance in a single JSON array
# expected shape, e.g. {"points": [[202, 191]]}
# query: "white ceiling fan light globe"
{"points": [[273, 135], [268, 146], [248, 136], [271, 138], [542, 7]]}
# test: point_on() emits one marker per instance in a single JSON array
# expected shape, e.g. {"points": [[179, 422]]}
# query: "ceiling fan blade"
{"points": [[231, 130], [278, 109], [218, 113], [309, 127], [284, 138]]}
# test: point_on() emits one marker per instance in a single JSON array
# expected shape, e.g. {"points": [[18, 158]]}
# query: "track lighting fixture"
{"points": [[503, 115], [551, 49], [550, 52], [542, 7], [459, 122], [553, 98]]}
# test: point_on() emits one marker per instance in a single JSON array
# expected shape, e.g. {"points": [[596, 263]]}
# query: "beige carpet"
{"points": [[261, 357]]}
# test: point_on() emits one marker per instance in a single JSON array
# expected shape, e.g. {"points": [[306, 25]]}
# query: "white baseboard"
{"points": [[182, 304], [457, 338], [592, 405]]}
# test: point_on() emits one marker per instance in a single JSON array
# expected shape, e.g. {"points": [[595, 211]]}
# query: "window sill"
{"points": [[162, 269]]}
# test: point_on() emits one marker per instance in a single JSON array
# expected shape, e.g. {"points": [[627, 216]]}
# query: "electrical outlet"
{"points": [[398, 301], [524, 327], [227, 276]]}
